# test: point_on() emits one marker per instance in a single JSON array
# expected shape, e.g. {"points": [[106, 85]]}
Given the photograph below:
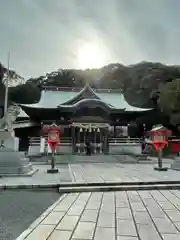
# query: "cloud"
{"points": [[44, 35]]}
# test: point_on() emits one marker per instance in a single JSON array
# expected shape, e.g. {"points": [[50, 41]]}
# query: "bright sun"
{"points": [[90, 56]]}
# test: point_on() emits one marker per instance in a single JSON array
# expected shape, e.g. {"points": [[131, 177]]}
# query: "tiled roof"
{"points": [[118, 101], [54, 99], [51, 99]]}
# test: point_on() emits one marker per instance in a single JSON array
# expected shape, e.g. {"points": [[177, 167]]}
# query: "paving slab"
{"points": [[41, 177], [105, 233], [89, 216], [112, 172], [93, 173], [106, 220], [64, 235], [138, 220], [84, 230], [126, 238], [171, 237], [120, 172]]}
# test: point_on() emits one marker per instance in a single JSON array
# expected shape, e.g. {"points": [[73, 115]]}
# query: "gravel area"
{"points": [[18, 209]]}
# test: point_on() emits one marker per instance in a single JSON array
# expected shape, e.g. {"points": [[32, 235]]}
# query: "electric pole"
{"points": [[6, 86]]}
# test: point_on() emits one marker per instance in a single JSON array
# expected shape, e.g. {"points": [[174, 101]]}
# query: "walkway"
{"points": [[142, 215], [113, 172], [126, 215], [94, 172]]}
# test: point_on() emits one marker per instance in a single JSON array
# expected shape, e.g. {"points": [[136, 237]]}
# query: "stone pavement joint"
{"points": [[121, 187], [93, 173], [125, 215]]}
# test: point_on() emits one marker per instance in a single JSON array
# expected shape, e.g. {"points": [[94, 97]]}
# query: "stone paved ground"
{"points": [[133, 215], [95, 172], [112, 172], [18, 209], [41, 177]]}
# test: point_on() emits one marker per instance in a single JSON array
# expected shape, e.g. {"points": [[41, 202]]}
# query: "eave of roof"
{"points": [[69, 99]]}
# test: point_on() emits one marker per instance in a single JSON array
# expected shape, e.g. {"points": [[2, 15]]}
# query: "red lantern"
{"points": [[53, 132], [159, 137], [53, 139]]}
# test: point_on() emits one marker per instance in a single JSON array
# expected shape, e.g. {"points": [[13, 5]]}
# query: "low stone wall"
{"points": [[33, 150], [64, 149], [125, 148]]}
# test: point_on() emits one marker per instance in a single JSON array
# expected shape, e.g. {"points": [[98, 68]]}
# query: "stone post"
{"points": [[53, 169], [160, 167]]}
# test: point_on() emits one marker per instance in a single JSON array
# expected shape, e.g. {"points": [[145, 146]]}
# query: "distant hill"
{"points": [[138, 81], [144, 84]]}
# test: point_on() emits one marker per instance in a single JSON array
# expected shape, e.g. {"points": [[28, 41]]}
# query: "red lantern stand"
{"points": [[159, 140], [53, 132]]}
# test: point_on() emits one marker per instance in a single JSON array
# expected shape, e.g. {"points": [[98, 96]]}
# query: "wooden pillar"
{"points": [[114, 131], [106, 143], [100, 140], [107, 137], [73, 136]]}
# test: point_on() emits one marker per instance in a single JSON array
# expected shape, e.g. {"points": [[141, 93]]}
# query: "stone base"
{"points": [[163, 169], [29, 174], [13, 163], [176, 164], [55, 170]]}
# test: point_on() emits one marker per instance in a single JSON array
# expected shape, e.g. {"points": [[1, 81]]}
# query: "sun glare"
{"points": [[90, 56]]}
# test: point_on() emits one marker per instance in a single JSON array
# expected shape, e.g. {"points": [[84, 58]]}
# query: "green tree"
{"points": [[25, 93], [2, 87], [18, 92], [169, 101]]}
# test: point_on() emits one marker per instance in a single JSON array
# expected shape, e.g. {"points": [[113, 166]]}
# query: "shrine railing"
{"points": [[38, 146], [124, 140]]}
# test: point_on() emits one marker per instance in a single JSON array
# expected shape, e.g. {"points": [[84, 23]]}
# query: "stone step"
{"points": [[115, 183], [95, 186], [118, 188]]}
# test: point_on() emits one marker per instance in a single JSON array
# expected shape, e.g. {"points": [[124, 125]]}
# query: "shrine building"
{"points": [[81, 114]]}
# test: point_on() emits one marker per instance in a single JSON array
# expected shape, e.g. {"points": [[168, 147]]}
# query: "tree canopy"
{"points": [[21, 93], [25, 93], [169, 101], [146, 84]]}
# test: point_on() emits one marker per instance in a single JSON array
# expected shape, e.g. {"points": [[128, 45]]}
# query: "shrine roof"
{"points": [[71, 98]]}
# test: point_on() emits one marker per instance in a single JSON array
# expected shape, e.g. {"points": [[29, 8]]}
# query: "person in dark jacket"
{"points": [[143, 144], [88, 147]]}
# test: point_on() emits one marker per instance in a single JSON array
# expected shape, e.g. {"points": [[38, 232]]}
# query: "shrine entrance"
{"points": [[93, 134]]}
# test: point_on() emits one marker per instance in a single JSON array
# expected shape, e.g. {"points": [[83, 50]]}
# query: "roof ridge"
{"points": [[79, 89]]}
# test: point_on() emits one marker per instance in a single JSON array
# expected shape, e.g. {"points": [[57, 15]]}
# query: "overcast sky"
{"points": [[44, 35]]}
